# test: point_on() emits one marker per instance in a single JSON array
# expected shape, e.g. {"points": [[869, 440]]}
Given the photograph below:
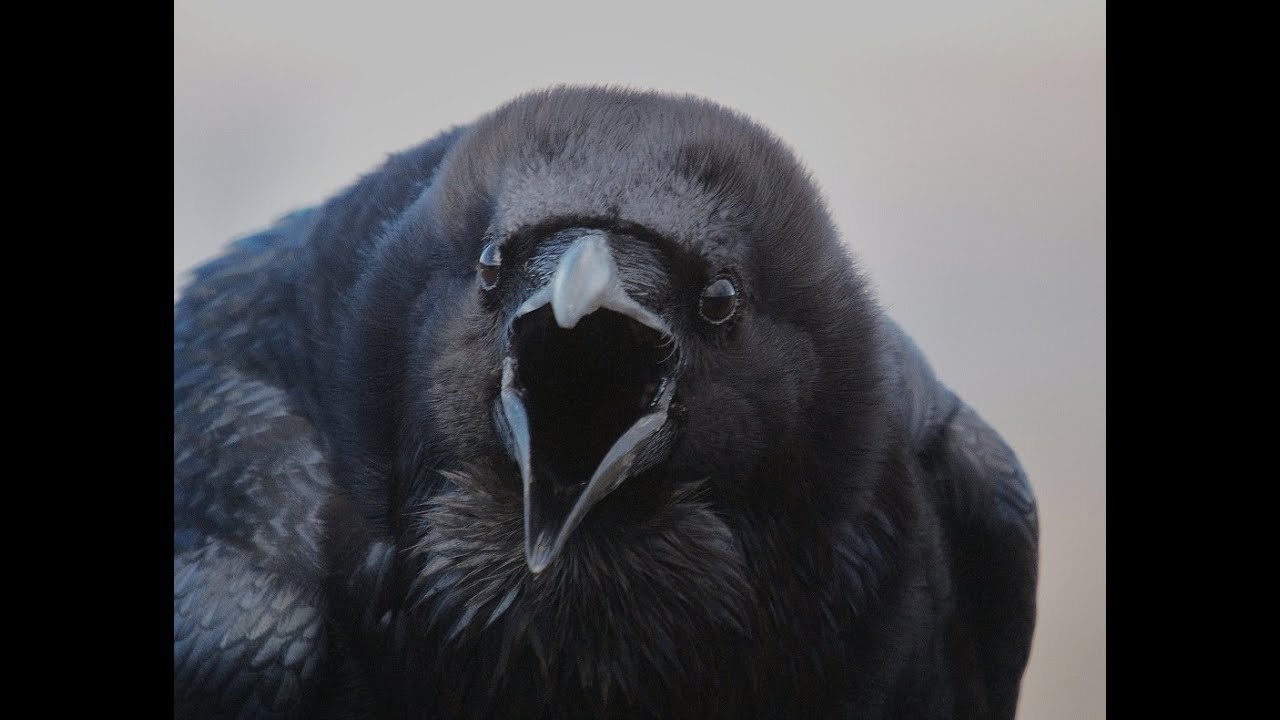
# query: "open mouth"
{"points": [[583, 387], [589, 402]]}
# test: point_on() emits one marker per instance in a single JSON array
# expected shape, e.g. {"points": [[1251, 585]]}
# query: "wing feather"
{"points": [[251, 481], [990, 529]]}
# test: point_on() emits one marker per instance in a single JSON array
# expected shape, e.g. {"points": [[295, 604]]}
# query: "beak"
{"points": [[585, 280], [594, 353]]}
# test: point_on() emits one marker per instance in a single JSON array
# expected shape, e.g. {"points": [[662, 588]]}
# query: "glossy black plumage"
{"points": [[830, 531]]}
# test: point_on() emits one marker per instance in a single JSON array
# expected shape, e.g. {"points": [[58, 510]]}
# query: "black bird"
{"points": [[581, 411]]}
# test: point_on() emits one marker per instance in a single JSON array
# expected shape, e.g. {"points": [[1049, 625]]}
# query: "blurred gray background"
{"points": [[961, 148]]}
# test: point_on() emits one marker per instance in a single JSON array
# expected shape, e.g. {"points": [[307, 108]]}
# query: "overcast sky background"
{"points": [[961, 148]]}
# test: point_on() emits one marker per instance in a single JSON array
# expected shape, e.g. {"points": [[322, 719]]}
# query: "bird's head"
{"points": [[654, 297]]}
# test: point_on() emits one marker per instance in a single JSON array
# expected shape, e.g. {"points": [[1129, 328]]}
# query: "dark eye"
{"points": [[719, 300], [487, 267]]}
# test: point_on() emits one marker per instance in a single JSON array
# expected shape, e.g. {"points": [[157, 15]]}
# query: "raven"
{"points": [[582, 410]]}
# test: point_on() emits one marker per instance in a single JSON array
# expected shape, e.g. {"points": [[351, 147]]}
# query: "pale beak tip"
{"points": [[539, 555], [566, 317]]}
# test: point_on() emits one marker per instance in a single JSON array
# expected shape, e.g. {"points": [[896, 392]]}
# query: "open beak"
{"points": [[586, 391]]}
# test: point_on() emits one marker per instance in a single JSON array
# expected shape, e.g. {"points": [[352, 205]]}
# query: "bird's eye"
{"points": [[719, 300], [487, 267]]}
